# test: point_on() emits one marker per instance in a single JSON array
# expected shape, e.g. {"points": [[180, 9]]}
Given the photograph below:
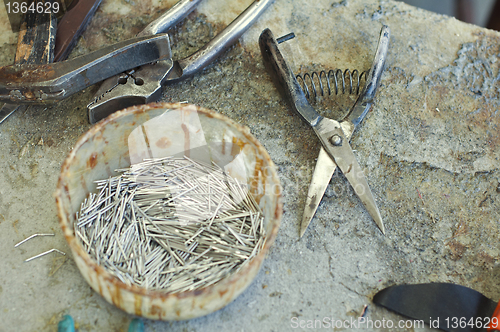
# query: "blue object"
{"points": [[66, 324], [136, 325]]}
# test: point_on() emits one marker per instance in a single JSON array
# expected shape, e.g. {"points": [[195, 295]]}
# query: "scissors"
{"points": [[334, 135], [144, 85]]}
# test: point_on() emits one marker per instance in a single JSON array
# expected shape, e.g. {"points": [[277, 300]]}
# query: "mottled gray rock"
{"points": [[429, 147]]}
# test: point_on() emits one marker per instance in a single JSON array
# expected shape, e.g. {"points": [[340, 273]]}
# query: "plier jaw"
{"points": [[49, 83], [113, 96], [139, 86]]}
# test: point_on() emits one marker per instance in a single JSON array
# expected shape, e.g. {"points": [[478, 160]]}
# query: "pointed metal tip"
{"points": [[380, 223], [309, 211], [381, 226], [302, 231], [6, 110], [306, 220]]}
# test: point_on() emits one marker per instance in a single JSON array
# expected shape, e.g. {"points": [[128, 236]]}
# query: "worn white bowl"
{"points": [[158, 130]]}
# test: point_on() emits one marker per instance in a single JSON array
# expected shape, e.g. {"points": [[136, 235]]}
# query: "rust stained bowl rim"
{"points": [[71, 239]]}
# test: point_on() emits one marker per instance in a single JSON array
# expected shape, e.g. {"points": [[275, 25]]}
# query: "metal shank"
{"points": [[52, 82]]}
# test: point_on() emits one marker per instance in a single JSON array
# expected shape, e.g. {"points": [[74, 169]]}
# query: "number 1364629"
{"points": [[39, 7]]}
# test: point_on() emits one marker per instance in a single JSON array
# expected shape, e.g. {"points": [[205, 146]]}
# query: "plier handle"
{"points": [[144, 85]]}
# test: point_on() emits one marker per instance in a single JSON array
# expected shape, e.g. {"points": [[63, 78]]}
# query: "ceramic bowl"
{"points": [[158, 130]]}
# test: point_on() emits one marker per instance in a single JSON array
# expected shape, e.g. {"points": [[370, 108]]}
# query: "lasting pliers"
{"points": [[333, 135], [143, 85]]}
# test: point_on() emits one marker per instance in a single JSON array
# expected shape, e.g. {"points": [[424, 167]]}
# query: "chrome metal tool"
{"points": [[144, 85], [40, 84], [334, 135]]}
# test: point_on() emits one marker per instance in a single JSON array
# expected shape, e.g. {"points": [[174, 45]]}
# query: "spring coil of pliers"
{"points": [[334, 79]]}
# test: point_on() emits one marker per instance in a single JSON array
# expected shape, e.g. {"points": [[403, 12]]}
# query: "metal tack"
{"points": [[171, 224]]}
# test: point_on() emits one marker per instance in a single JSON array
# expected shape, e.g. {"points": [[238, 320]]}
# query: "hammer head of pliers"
{"points": [[139, 86]]}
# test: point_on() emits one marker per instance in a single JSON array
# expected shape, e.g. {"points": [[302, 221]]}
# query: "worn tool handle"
{"points": [[35, 42], [225, 39], [284, 79]]}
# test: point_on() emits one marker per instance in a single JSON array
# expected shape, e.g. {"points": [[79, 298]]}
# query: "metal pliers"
{"points": [[144, 85], [54, 49], [48, 83], [334, 135]]}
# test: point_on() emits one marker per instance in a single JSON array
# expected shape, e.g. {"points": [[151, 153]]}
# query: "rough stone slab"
{"points": [[429, 147]]}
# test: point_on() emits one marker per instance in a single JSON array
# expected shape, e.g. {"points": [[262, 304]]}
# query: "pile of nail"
{"points": [[171, 224]]}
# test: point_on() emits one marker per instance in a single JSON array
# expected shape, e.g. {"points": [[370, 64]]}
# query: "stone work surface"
{"points": [[430, 149]]}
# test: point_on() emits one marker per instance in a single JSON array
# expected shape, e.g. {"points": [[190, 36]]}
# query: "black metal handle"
{"points": [[284, 79]]}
